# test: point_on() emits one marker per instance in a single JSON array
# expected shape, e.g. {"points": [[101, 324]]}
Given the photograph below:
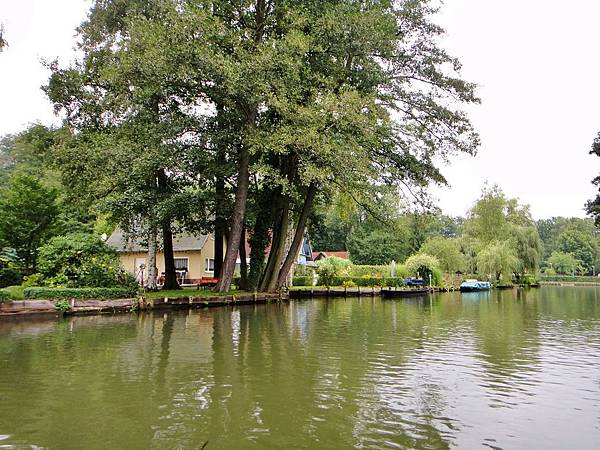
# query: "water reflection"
{"points": [[510, 369]]}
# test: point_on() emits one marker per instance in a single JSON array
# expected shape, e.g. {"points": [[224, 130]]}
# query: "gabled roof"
{"points": [[320, 255], [182, 242]]}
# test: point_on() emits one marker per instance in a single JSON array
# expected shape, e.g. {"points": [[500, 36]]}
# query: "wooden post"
{"points": [[359, 291]]}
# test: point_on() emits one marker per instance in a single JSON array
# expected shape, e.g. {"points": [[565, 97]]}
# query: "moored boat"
{"points": [[475, 286]]}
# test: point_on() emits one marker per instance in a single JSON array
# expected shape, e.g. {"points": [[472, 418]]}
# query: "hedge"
{"points": [[353, 281], [568, 278], [302, 281], [89, 293]]}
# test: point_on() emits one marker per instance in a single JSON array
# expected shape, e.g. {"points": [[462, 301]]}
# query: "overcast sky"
{"points": [[536, 62]]}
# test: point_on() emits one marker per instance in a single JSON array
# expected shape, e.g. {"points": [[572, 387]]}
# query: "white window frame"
{"points": [[182, 257], [207, 265]]}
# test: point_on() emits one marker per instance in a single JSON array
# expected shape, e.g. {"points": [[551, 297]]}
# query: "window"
{"points": [[182, 264], [209, 264]]}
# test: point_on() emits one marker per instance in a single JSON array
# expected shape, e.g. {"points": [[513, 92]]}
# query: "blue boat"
{"points": [[475, 286]]}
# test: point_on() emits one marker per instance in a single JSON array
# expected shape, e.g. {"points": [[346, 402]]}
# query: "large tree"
{"points": [[135, 126], [287, 99], [28, 211], [593, 206], [497, 219]]}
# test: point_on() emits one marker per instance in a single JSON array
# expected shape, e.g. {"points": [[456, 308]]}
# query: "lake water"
{"points": [[507, 369]]}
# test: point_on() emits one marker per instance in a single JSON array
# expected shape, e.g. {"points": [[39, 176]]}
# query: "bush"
{"points": [[367, 281], [302, 281], [47, 293], [9, 275], [4, 295], [374, 271], [80, 260], [36, 279], [528, 279], [14, 292]]}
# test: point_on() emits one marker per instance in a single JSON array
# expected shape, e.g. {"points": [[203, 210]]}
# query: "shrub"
{"points": [[36, 279], [9, 276], [424, 266], [81, 293], [10, 273], [4, 295], [360, 270], [14, 292], [367, 281], [528, 279], [78, 260], [302, 281]]}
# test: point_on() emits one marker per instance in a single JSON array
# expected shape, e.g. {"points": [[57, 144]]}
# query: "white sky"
{"points": [[536, 62]]}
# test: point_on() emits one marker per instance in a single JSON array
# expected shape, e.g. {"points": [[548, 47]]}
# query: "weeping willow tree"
{"points": [[499, 260]]}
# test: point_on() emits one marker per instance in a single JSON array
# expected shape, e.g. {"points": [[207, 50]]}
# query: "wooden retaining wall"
{"points": [[82, 307]]}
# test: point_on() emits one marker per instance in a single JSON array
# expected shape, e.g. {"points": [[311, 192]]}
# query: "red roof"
{"points": [[321, 255]]}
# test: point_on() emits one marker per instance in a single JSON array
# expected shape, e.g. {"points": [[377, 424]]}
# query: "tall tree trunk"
{"points": [[220, 225], [298, 236], [170, 272], [243, 182], [277, 250], [151, 264], [237, 222], [260, 239], [167, 234], [243, 262]]}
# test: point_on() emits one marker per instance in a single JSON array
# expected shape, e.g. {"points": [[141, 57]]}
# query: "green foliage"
{"points": [[593, 206], [80, 260], [62, 305], [528, 247], [571, 279], [338, 266], [528, 280], [498, 259], [33, 280], [564, 263], [48, 293], [374, 246], [4, 295], [422, 265], [28, 210], [14, 292], [447, 252], [10, 273], [327, 275], [361, 270], [302, 281], [497, 219], [581, 245]]}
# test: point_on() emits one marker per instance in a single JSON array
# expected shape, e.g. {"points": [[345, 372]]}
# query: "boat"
{"points": [[475, 286]]}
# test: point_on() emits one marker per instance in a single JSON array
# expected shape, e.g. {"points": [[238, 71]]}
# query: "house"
{"points": [[194, 255], [317, 256]]}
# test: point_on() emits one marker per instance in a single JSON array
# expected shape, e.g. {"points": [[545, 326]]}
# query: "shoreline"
{"points": [[79, 307], [18, 308]]}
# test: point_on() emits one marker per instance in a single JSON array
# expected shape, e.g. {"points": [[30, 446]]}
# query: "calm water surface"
{"points": [[518, 369]]}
